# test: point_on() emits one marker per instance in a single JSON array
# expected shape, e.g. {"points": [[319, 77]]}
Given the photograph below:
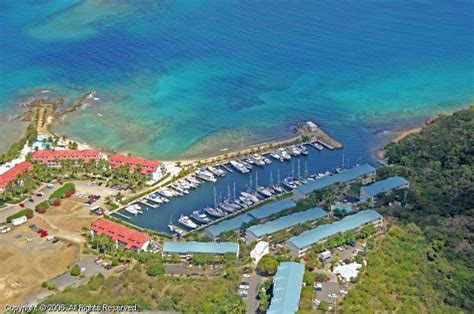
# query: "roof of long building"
{"points": [[258, 213], [287, 285], [287, 222], [322, 232], [228, 225], [270, 209], [200, 247], [384, 186], [345, 176], [13, 172], [130, 237], [145, 164]]}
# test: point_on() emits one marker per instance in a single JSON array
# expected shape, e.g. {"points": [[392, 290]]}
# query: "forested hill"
{"points": [[439, 163]]}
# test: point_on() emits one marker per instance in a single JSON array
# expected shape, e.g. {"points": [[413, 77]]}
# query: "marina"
{"points": [[217, 192]]}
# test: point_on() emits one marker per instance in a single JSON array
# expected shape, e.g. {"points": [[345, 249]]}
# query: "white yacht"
{"points": [[239, 167], [133, 209], [216, 171], [205, 175], [187, 222], [284, 154]]}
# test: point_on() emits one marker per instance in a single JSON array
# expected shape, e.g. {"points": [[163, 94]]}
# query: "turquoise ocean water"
{"points": [[179, 79]]}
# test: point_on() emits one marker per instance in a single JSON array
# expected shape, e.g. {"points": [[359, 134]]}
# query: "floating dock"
{"points": [[227, 168], [325, 145], [122, 215]]}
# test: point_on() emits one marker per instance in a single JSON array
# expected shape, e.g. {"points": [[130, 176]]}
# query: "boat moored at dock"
{"points": [[239, 167], [187, 222]]}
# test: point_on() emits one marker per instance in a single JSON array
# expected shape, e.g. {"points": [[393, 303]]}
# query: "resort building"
{"points": [[298, 245], [257, 232], [287, 285], [365, 173], [235, 223], [123, 236], [12, 174], [370, 192], [53, 157], [262, 248], [193, 247], [153, 169]]}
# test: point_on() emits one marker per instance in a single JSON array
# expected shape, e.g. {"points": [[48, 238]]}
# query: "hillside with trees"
{"points": [[437, 224]]}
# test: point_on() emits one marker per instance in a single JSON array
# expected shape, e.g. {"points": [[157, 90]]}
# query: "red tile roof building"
{"points": [[51, 157], [127, 237], [13, 173], [150, 168]]}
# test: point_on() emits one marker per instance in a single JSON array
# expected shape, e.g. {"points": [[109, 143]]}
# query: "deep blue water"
{"points": [[180, 79]]}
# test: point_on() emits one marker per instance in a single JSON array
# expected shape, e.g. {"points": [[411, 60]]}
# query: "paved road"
{"points": [[254, 281], [12, 209]]}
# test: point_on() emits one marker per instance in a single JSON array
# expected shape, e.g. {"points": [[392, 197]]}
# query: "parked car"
{"points": [[31, 200], [22, 205], [55, 240], [5, 229]]}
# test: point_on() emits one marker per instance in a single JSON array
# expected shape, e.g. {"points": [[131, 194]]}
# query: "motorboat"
{"points": [[187, 222], [267, 160], [200, 216], [239, 167], [205, 175], [246, 164], [265, 192], [303, 150], [284, 154], [289, 183], [275, 155], [278, 189], [317, 146], [166, 192], [258, 159], [216, 171], [133, 209]]}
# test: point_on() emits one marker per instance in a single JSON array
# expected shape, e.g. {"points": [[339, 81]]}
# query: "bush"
{"points": [[56, 203], [75, 270], [42, 207], [115, 262], [24, 212], [44, 284], [51, 286], [66, 190]]}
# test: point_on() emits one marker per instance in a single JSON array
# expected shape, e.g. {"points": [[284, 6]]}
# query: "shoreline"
{"points": [[55, 109]]}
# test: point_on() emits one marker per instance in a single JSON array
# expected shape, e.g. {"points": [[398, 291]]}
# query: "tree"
{"points": [[324, 306], [154, 269], [75, 270], [267, 265]]}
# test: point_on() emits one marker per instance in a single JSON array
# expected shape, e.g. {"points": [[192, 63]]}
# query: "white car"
{"points": [[244, 287], [5, 229], [243, 293], [246, 275]]}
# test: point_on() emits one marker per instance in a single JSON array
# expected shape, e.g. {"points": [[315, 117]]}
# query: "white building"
{"points": [[262, 248]]}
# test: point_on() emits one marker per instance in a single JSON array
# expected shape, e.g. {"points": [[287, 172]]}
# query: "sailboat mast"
{"points": [[278, 176]]}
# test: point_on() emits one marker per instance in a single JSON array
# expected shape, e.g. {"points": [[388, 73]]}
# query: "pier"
{"points": [[227, 168], [122, 215], [325, 144]]}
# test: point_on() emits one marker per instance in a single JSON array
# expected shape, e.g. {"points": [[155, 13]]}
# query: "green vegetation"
{"points": [[15, 150], [186, 295], [398, 278], [264, 295], [75, 270], [66, 190], [267, 265], [427, 268], [24, 212]]}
